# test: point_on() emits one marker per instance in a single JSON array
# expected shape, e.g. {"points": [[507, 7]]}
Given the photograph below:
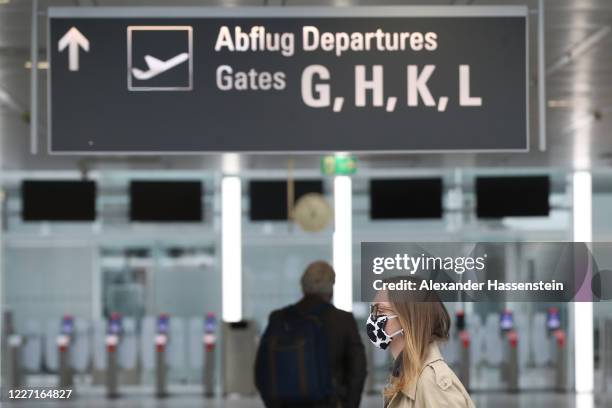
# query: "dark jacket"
{"points": [[347, 353]]}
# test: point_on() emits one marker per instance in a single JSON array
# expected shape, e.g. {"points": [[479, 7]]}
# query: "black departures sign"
{"points": [[198, 80]]}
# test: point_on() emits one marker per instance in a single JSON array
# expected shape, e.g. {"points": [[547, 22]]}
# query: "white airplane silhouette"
{"points": [[157, 66]]}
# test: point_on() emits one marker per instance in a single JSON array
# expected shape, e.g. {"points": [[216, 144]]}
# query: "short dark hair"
{"points": [[318, 279]]}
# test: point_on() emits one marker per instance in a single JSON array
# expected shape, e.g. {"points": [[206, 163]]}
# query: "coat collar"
{"points": [[433, 355], [310, 300]]}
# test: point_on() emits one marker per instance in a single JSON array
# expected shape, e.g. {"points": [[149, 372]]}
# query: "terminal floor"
{"points": [[525, 400]]}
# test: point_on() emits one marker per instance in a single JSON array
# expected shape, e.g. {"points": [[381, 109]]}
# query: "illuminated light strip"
{"points": [[231, 248], [41, 64], [343, 243], [583, 311]]}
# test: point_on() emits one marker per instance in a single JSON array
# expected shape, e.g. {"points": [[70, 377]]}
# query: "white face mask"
{"points": [[375, 328]]}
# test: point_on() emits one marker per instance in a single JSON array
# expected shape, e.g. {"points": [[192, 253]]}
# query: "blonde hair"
{"points": [[423, 323]]}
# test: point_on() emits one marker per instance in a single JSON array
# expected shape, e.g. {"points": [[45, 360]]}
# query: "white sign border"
{"points": [[282, 12]]}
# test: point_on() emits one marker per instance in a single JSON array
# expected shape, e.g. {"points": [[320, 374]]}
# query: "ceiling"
{"points": [[579, 92]]}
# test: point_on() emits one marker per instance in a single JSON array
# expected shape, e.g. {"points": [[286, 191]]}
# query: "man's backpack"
{"points": [[293, 362]]}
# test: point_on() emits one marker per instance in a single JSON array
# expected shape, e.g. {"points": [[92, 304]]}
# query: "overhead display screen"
{"points": [[306, 80], [268, 198], [58, 200], [498, 197], [405, 198], [166, 201]]}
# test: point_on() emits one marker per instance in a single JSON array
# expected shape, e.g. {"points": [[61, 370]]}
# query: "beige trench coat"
{"points": [[436, 387]]}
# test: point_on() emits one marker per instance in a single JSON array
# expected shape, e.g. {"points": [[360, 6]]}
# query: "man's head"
{"points": [[318, 279]]}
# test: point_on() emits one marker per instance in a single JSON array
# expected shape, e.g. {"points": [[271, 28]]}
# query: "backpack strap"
{"points": [[302, 371], [273, 390]]}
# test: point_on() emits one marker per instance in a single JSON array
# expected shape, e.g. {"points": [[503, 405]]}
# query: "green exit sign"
{"points": [[338, 165]]}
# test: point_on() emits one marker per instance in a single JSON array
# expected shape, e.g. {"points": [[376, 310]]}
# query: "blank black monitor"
{"points": [[166, 201], [268, 199], [58, 200], [406, 198], [498, 197]]}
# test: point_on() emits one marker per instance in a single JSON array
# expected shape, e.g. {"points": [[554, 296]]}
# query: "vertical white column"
{"points": [[343, 243], [34, 80], [583, 311], [231, 248], [542, 101], [96, 284]]}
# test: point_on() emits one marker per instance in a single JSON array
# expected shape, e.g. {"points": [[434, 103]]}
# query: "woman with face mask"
{"points": [[411, 330]]}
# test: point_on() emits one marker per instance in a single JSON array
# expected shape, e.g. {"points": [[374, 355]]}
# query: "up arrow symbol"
{"points": [[73, 39]]}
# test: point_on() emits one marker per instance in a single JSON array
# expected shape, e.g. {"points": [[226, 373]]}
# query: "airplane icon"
{"points": [[157, 66]]}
